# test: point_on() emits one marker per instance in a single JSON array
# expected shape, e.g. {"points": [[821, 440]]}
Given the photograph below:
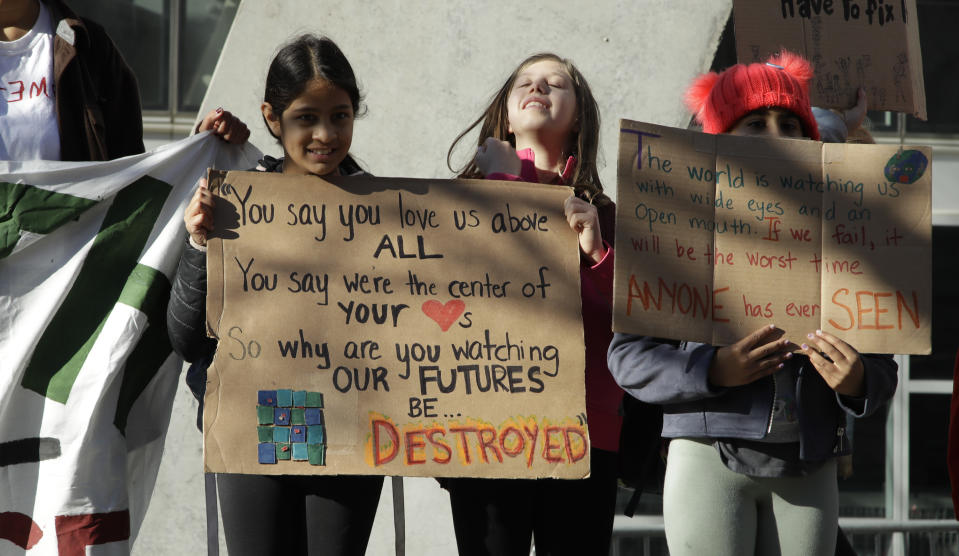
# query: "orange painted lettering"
{"points": [[879, 310], [378, 425], [901, 304], [414, 442], [439, 445], [852, 317], [532, 442], [861, 311], [487, 438], [549, 448], [464, 443], [519, 442], [571, 452]]}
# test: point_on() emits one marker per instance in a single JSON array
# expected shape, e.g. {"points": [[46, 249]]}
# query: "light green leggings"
{"points": [[709, 509]]}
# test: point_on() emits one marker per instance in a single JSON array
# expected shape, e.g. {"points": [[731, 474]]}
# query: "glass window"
{"points": [[929, 491], [945, 298], [207, 23], [143, 31], [862, 476]]}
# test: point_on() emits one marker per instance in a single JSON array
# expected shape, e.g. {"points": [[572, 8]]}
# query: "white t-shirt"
{"points": [[28, 112]]}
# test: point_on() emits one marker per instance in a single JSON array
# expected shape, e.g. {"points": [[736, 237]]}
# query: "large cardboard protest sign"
{"points": [[851, 43], [394, 326], [718, 235]]}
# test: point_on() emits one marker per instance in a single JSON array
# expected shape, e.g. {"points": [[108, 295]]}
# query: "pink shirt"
{"points": [[603, 395]]}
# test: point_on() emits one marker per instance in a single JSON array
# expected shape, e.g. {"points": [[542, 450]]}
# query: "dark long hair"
{"points": [[584, 142], [302, 60]]}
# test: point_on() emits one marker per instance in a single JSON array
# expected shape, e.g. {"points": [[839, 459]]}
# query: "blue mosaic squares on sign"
{"points": [[317, 454], [290, 426], [264, 434], [297, 416], [264, 415], [281, 434], [298, 434], [266, 452], [299, 398], [314, 399], [314, 416]]}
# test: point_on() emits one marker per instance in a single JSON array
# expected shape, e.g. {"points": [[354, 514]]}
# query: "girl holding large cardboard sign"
{"points": [[309, 105], [756, 426], [542, 126]]}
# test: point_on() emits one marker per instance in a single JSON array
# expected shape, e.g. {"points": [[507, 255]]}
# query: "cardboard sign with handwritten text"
{"points": [[850, 43], [391, 326], [718, 235]]}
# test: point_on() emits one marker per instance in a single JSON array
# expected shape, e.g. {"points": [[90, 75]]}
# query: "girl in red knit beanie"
{"points": [[756, 99], [755, 426]]}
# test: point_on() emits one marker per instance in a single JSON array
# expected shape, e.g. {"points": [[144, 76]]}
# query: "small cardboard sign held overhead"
{"points": [[393, 327], [872, 44], [719, 235]]}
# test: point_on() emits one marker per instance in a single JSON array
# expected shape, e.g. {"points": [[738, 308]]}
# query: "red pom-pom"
{"points": [[698, 93], [795, 65]]}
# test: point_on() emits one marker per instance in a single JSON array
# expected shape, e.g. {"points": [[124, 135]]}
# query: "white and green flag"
{"points": [[87, 374]]}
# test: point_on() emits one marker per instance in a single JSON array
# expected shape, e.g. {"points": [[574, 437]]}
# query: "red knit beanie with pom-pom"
{"points": [[720, 100]]}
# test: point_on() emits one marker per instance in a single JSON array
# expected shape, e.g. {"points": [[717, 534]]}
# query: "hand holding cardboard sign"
{"points": [[751, 358], [583, 218], [854, 115], [495, 156], [198, 216], [838, 362]]}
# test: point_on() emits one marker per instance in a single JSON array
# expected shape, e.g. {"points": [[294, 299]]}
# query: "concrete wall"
{"points": [[428, 69]]}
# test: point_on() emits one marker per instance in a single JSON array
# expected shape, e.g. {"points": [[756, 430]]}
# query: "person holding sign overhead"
{"points": [[310, 103], [755, 426], [542, 126]]}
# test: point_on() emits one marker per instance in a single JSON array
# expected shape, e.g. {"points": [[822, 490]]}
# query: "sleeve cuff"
{"points": [[196, 245], [700, 361], [852, 404], [606, 256]]}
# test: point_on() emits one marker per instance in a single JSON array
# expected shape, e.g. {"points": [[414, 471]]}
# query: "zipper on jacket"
{"points": [[840, 443], [772, 409]]}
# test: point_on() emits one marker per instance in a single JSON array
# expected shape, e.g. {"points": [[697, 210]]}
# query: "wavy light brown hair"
{"points": [[583, 143]]}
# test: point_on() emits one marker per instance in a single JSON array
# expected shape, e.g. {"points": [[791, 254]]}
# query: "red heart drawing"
{"points": [[444, 315]]}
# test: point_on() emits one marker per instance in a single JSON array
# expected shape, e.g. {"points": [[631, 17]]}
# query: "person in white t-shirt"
{"points": [[67, 94], [29, 129]]}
